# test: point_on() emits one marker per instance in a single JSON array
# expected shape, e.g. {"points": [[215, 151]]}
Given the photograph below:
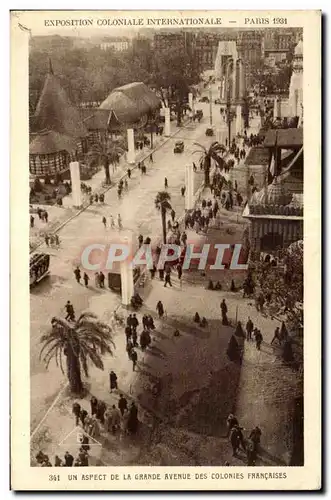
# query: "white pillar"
{"points": [[127, 286], [75, 184], [190, 100], [131, 156], [234, 79], [189, 183], [167, 122], [239, 124], [276, 108]]}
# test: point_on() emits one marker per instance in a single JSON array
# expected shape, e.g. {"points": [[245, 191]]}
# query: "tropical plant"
{"points": [[162, 203], [214, 152], [107, 153], [85, 339]]}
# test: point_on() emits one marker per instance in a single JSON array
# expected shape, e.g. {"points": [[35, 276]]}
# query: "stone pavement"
{"points": [[185, 422]]}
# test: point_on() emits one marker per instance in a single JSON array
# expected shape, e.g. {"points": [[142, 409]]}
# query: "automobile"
{"points": [[204, 99], [218, 101], [209, 132], [179, 147]]}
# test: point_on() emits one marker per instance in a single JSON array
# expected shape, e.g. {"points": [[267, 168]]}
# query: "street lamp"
{"points": [[210, 106]]}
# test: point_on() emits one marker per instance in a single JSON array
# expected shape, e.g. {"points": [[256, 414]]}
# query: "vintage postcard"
{"points": [[165, 239]]}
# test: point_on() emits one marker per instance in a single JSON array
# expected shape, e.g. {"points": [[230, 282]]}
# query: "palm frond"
{"points": [[200, 146]]}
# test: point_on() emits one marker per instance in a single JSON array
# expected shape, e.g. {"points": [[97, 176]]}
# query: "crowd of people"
{"points": [[250, 446], [119, 419]]}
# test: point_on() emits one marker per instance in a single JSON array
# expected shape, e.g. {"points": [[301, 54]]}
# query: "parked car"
{"points": [[198, 114], [218, 101], [179, 147], [204, 99], [209, 132]]}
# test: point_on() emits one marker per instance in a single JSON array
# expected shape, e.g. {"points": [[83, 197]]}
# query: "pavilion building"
{"points": [[275, 212], [57, 132]]}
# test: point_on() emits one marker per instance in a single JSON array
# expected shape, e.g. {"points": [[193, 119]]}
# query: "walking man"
{"points": [[165, 183], [129, 173], [102, 279], [160, 309], [167, 278], [134, 359], [258, 339], [86, 279], [104, 221], [112, 222], [249, 328], [112, 380], [31, 221], [77, 274], [122, 404], [119, 222], [276, 336]]}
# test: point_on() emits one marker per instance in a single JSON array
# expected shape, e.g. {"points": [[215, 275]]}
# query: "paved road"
{"points": [[139, 215]]}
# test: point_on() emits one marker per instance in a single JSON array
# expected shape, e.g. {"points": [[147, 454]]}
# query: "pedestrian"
{"points": [[51, 240], [68, 459], [57, 461], [115, 419], [283, 332], [129, 347], [119, 222], [122, 404], [161, 274], [86, 279], [47, 239], [77, 274], [94, 405], [276, 336], [231, 422], [134, 323], [46, 216], [96, 197], [57, 240], [258, 339], [167, 280], [129, 173], [101, 279], [104, 221], [151, 158], [235, 440], [102, 198], [182, 190], [76, 411], [128, 333], [70, 311], [133, 419], [31, 221], [96, 280], [126, 185], [112, 380], [39, 212], [249, 328], [165, 183], [91, 199], [224, 309], [112, 222], [179, 271], [101, 408], [160, 309], [82, 416], [134, 358]]}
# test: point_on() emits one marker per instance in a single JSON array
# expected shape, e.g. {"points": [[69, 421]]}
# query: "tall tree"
{"points": [[214, 152], [105, 153], [87, 339], [162, 203]]}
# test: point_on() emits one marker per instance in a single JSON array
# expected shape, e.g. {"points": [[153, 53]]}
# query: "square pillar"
{"points": [[75, 184], [167, 122], [127, 285], [239, 124], [189, 183], [131, 155], [190, 100]]}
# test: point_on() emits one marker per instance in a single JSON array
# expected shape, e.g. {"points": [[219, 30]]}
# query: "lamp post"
{"points": [[210, 106]]}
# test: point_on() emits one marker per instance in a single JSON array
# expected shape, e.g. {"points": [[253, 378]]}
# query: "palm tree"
{"points": [[86, 339], [107, 153], [206, 155], [162, 203]]}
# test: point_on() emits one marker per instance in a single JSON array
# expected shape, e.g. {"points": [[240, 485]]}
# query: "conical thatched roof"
{"points": [[49, 142], [55, 112], [130, 102]]}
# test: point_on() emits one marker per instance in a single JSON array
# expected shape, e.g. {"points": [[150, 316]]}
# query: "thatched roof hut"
{"points": [[49, 142], [55, 112], [131, 103]]}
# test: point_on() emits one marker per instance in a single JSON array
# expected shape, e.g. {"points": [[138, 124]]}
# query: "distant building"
{"points": [[250, 50], [119, 44]]}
